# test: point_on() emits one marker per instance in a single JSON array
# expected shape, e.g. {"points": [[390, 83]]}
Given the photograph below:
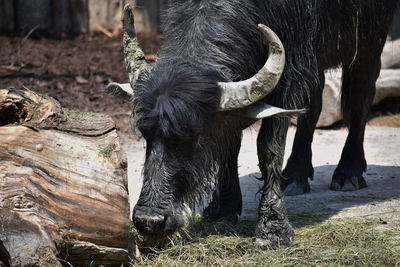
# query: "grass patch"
{"points": [[318, 242]]}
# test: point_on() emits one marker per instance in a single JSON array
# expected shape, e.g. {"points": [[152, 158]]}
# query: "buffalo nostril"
{"points": [[148, 222]]}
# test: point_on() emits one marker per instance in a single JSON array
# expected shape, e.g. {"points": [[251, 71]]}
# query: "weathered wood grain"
{"points": [[63, 184]]}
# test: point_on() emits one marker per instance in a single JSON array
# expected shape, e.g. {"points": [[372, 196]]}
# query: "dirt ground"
{"points": [[75, 72]]}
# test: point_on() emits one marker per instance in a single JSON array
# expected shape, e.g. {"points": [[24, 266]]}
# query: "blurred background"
{"points": [[70, 49], [72, 17]]}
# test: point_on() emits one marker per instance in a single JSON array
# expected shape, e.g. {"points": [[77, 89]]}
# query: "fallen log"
{"points": [[387, 85], [63, 185], [390, 57]]}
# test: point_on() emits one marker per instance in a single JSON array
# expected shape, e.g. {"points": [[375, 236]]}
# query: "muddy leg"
{"points": [[299, 166], [273, 227]]}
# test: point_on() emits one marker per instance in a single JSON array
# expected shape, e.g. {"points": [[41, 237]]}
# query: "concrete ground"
{"points": [[381, 199]]}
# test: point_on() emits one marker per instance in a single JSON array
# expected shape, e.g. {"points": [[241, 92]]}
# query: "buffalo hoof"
{"points": [[297, 188], [297, 182], [273, 234], [347, 183]]}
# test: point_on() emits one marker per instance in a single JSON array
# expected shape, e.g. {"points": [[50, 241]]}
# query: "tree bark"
{"points": [[63, 185]]}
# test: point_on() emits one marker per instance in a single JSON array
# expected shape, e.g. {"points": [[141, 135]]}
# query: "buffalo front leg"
{"points": [[273, 227], [226, 204]]}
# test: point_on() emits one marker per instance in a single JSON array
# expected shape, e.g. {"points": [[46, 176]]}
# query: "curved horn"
{"points": [[135, 61], [244, 93]]}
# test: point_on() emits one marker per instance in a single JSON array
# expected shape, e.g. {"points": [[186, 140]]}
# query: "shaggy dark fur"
{"points": [[192, 148], [177, 103]]}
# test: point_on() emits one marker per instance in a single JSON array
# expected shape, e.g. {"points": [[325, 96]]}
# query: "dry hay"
{"points": [[319, 242]]}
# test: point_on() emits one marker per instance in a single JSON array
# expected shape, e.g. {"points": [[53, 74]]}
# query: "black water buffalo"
{"points": [[217, 73]]}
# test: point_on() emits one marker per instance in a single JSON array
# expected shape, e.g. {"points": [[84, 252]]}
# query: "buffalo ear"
{"points": [[260, 110], [122, 90]]}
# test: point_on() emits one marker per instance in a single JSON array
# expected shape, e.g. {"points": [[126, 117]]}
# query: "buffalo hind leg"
{"points": [[226, 204], [299, 166], [358, 91], [273, 227]]}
